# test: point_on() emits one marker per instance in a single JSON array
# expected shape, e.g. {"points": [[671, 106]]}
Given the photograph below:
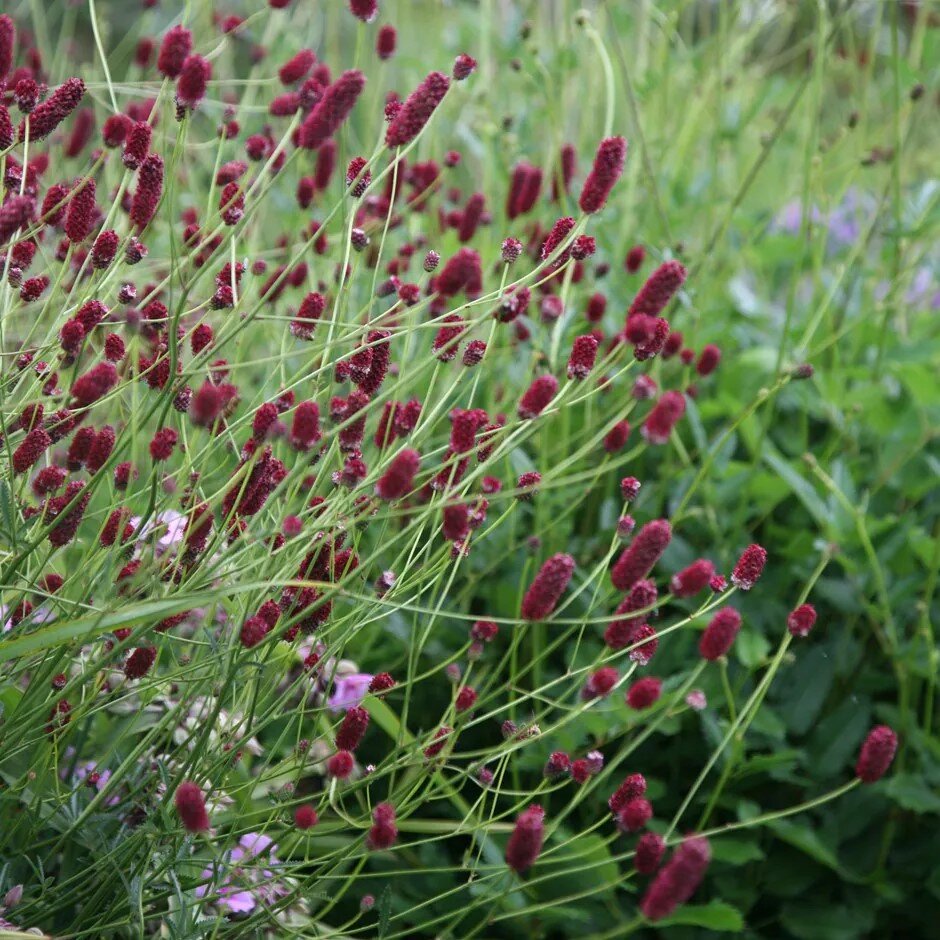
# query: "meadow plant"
{"points": [[324, 399]]}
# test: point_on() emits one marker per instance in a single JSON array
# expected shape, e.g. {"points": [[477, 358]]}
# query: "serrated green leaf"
{"points": [[716, 915]]}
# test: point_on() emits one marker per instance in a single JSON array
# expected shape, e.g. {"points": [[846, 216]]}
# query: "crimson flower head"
{"points": [[7, 44], [358, 184], [600, 683], [471, 216], [634, 259], [659, 289], [462, 272], [643, 552], [191, 806], [650, 849], [690, 581], [140, 662], [466, 698], [398, 479], [192, 81], [557, 765], [749, 567], [583, 356], [527, 484], [80, 216], [537, 396], [547, 587], [607, 169], [340, 765], [596, 308], [331, 110], [162, 444], [381, 682], [678, 879], [232, 204], [6, 128], [510, 250], [633, 631], [632, 788], [474, 353], [82, 130], [353, 729], [365, 10], [448, 336], [385, 42], [149, 190], [801, 620], [525, 842], [417, 110], [876, 754], [76, 497], [708, 360], [635, 815], [253, 631], [26, 94], [556, 237], [643, 642], [104, 249], [644, 693], [297, 68], [616, 438], [663, 417], [465, 422], [176, 46], [719, 634], [484, 630], [456, 523], [305, 429], [581, 770], [54, 110], [384, 832], [630, 488], [464, 66], [441, 737], [32, 447], [311, 309], [94, 384], [583, 247], [305, 817]]}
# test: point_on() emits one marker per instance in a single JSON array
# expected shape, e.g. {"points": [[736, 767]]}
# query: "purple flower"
{"points": [[245, 878], [170, 524], [349, 690], [37, 617], [252, 844]]}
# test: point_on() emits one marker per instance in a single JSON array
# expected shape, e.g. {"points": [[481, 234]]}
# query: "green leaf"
{"points": [[716, 915], [87, 628], [802, 489], [736, 851], [584, 862], [801, 837], [836, 737], [6, 511], [752, 648], [386, 719], [385, 909], [912, 793], [804, 689], [818, 922]]}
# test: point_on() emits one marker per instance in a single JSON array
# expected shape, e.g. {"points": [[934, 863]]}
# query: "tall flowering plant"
{"points": [[335, 511]]}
